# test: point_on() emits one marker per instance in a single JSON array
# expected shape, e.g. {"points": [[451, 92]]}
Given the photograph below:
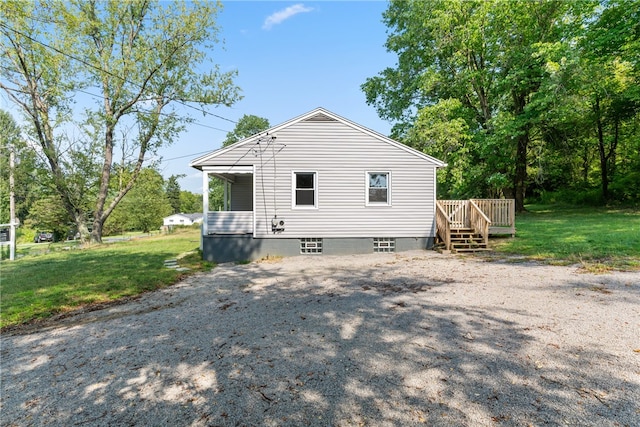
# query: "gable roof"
{"points": [[317, 115]]}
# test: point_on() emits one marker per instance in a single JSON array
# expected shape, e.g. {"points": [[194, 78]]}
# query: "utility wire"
{"points": [[186, 155], [90, 65], [153, 112]]}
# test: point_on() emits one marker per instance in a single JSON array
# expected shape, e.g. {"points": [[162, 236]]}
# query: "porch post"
{"points": [[225, 196]]}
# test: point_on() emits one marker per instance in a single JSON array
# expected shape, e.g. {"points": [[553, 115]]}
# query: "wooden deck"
{"points": [[465, 225]]}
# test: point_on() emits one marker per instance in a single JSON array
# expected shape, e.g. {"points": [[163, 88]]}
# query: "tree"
{"points": [[48, 214], [30, 182], [610, 66], [486, 55], [144, 207], [248, 125], [173, 193], [9, 141], [190, 202], [137, 59]]}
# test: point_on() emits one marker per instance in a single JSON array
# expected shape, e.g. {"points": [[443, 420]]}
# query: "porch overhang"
{"points": [[231, 170], [226, 172]]}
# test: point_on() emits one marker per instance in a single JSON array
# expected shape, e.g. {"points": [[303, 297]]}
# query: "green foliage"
{"points": [[47, 214], [30, 182], [518, 97], [626, 188], [25, 234], [441, 130], [216, 193], [140, 58], [173, 193], [190, 202], [143, 208], [247, 126]]}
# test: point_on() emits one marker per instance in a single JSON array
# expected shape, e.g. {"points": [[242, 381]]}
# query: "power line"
{"points": [[151, 112], [186, 155], [90, 65]]}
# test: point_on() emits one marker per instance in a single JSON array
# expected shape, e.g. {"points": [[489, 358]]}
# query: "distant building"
{"points": [[183, 219]]}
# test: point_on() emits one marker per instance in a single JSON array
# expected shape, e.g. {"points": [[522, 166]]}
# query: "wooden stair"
{"points": [[467, 240], [465, 225]]}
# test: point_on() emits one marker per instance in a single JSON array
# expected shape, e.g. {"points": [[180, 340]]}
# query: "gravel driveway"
{"points": [[414, 338]]}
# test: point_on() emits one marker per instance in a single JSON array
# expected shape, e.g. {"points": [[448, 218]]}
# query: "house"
{"points": [[182, 219], [318, 184]]}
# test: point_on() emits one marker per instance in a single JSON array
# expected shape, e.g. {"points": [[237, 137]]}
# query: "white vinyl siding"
{"points": [[242, 193], [341, 156]]}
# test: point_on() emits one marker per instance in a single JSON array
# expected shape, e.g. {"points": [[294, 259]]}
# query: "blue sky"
{"points": [[291, 57]]}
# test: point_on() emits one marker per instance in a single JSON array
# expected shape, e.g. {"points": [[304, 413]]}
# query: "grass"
{"points": [[600, 239], [60, 277], [48, 279]]}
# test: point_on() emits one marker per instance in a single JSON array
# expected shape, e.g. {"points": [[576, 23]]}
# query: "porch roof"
{"points": [[228, 170]]}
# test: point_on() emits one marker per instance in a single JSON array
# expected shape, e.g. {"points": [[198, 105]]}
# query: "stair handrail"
{"points": [[443, 224], [479, 221]]}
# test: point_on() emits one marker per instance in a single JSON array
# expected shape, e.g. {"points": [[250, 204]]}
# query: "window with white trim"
{"points": [[305, 190], [378, 184]]}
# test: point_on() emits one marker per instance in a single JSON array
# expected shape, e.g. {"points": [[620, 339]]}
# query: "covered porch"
{"points": [[234, 215]]}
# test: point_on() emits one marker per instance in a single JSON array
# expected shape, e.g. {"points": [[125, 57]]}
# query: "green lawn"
{"points": [[60, 277], [599, 238], [54, 278]]}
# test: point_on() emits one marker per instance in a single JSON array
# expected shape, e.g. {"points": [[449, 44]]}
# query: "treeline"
{"points": [[39, 207], [522, 99], [99, 86]]}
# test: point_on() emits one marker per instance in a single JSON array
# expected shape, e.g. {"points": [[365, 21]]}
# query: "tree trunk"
{"points": [[604, 169], [98, 216], [81, 225], [520, 177]]}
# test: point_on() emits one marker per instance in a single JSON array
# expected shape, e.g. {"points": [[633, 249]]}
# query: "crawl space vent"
{"points": [[310, 245]]}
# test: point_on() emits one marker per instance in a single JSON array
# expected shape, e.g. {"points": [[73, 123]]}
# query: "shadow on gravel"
{"points": [[345, 348]]}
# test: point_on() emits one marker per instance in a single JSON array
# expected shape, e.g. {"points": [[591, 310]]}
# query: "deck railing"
{"points": [[229, 222], [484, 216], [443, 225], [501, 212], [456, 212], [479, 221]]}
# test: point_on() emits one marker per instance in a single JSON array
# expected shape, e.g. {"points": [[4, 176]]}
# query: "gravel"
{"points": [[414, 338]]}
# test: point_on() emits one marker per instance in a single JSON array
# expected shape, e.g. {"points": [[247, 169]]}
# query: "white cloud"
{"points": [[282, 15]]}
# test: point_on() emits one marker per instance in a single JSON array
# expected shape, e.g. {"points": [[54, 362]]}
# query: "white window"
{"points": [[378, 188], [305, 190]]}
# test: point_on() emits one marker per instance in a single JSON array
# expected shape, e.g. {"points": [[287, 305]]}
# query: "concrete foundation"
{"points": [[229, 248]]}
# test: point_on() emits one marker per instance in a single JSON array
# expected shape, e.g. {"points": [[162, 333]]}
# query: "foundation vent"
{"points": [[384, 244], [310, 245]]}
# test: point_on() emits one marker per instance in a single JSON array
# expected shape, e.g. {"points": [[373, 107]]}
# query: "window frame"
{"points": [[294, 187], [367, 180]]}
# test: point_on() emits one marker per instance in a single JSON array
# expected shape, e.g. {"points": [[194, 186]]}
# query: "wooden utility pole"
{"points": [[12, 205]]}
